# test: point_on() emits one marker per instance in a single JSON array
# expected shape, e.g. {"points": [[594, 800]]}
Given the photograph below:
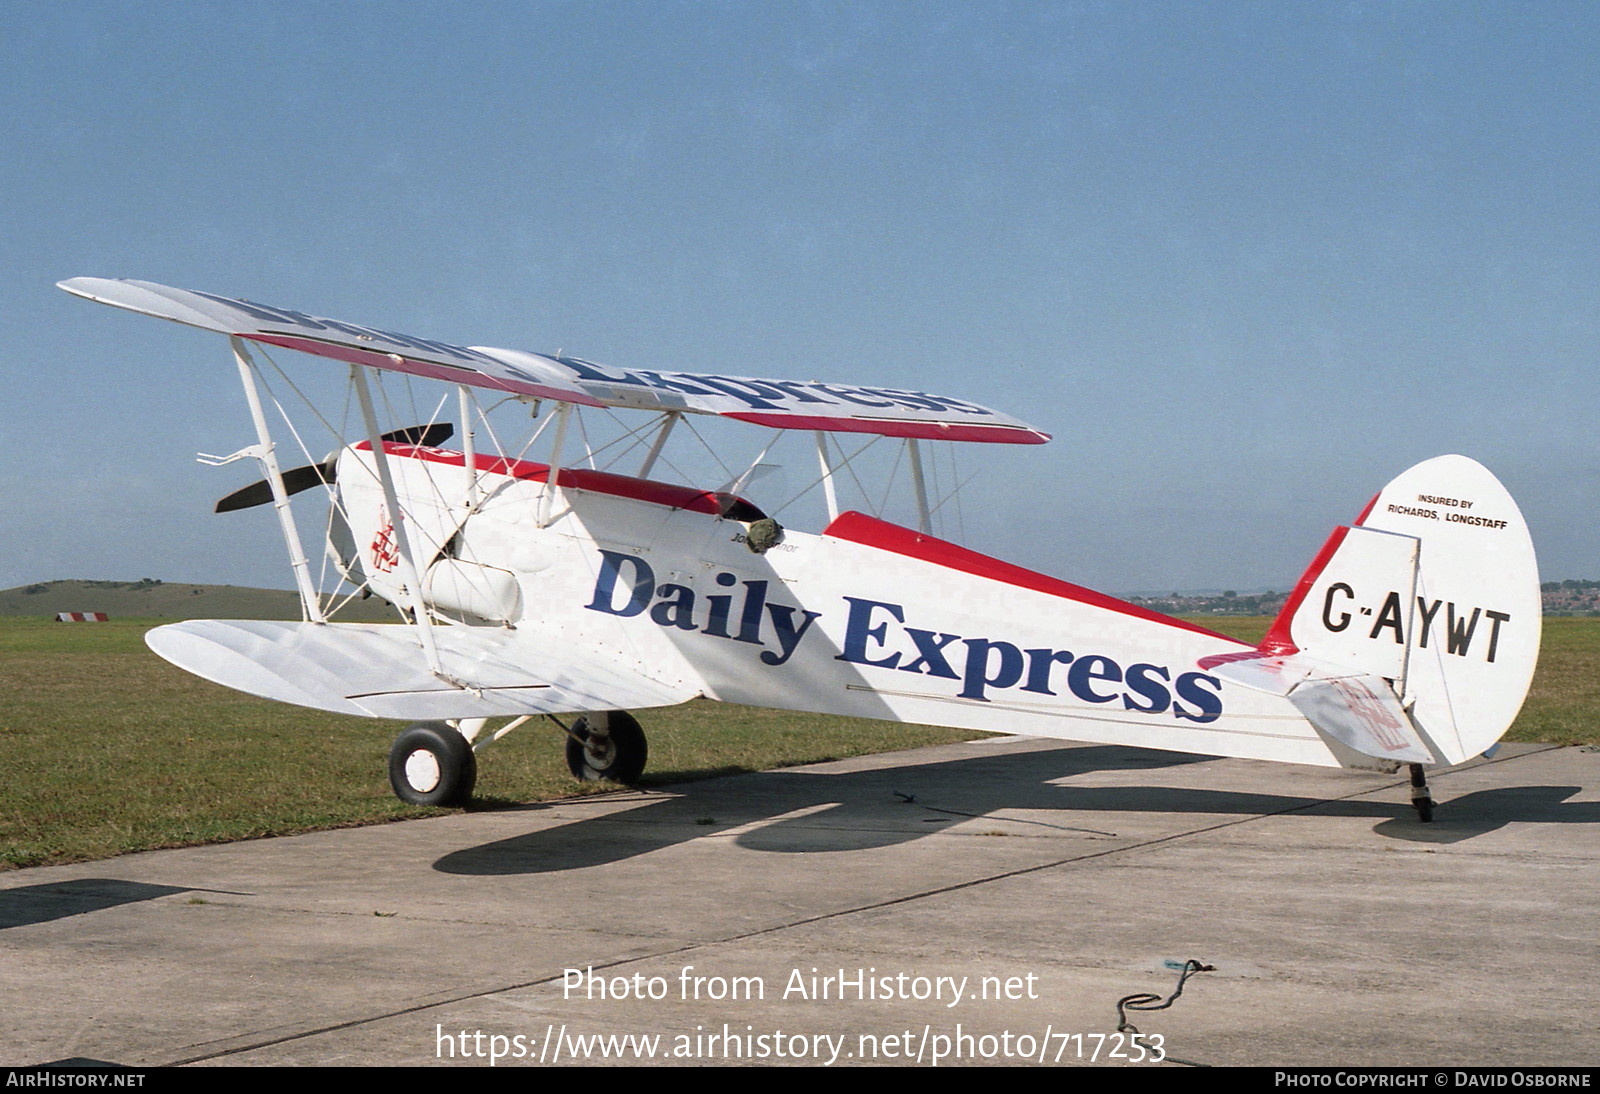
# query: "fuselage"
{"points": [[867, 619]]}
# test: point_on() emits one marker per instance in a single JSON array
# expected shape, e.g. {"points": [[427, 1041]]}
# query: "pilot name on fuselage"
{"points": [[626, 586]]}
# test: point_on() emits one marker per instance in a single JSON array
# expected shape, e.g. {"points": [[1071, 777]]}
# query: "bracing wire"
{"points": [[329, 601], [845, 466], [820, 479], [894, 471]]}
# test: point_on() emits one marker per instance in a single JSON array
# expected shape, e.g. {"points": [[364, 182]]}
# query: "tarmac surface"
{"points": [[980, 903]]}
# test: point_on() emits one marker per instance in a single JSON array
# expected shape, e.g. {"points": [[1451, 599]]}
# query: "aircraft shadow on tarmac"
{"points": [[31, 904], [1481, 811], [812, 812]]}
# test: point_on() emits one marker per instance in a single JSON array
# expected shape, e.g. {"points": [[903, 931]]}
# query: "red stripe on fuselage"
{"points": [[1279, 642], [871, 532], [577, 478]]}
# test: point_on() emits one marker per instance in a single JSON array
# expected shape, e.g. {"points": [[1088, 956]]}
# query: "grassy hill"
{"points": [[151, 599]]}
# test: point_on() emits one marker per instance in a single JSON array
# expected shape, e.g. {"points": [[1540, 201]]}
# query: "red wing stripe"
{"points": [[925, 431], [577, 478]]}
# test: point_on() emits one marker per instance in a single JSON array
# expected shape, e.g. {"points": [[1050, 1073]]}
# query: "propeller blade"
{"points": [[322, 474], [259, 493], [423, 436]]}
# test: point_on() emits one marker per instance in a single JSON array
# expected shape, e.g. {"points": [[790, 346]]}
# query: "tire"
{"points": [[618, 757], [432, 764]]}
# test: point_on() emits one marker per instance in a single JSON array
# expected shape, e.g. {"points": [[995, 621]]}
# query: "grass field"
{"points": [[105, 748]]}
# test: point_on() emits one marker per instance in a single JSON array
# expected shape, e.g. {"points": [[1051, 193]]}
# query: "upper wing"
{"points": [[378, 669], [781, 404]]}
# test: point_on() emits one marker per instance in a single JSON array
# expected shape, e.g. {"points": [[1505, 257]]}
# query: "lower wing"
{"points": [[380, 670]]}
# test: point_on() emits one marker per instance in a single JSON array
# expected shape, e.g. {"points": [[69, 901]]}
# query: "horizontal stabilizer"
{"points": [[380, 670], [1363, 713], [1358, 710], [1259, 671]]}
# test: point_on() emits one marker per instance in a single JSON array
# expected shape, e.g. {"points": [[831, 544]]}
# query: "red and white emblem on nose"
{"points": [[385, 548]]}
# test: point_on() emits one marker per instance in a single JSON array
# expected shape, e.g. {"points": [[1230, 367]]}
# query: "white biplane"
{"points": [[552, 588]]}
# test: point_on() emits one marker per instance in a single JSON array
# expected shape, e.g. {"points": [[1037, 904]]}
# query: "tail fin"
{"points": [[1427, 606]]}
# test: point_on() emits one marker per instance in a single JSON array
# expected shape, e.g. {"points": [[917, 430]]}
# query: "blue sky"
{"points": [[1246, 261]]}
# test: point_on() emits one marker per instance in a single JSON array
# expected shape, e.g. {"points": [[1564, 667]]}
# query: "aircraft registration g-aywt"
{"points": [[561, 588]]}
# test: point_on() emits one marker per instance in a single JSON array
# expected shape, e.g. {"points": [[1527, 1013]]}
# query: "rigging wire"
{"points": [[818, 481]]}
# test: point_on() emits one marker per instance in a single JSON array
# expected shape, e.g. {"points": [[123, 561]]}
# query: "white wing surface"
{"points": [[379, 670], [780, 404]]}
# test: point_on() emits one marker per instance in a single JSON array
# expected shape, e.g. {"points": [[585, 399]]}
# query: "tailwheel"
{"points": [[1420, 798], [607, 745], [431, 763]]}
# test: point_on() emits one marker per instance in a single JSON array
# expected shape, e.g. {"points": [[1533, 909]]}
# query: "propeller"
{"points": [[322, 474]]}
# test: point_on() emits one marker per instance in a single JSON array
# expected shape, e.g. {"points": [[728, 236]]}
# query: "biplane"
{"points": [[571, 587]]}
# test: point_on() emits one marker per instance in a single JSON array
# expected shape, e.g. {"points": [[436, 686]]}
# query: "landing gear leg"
{"points": [[1419, 794]]}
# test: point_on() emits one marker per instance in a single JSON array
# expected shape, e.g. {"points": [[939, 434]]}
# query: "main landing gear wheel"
{"points": [[607, 746], [432, 764]]}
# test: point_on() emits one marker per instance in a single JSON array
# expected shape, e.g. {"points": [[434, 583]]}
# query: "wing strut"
{"points": [[402, 533], [919, 487], [668, 420], [469, 455], [280, 495], [546, 497], [828, 488]]}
